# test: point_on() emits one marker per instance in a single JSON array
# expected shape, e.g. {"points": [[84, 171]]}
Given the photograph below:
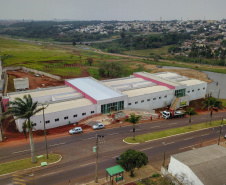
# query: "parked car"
{"points": [[75, 130], [37, 75], [98, 126]]}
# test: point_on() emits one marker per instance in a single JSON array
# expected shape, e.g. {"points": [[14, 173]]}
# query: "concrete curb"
{"points": [[130, 143], [32, 167]]}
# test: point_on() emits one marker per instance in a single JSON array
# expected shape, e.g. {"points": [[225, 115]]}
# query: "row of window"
{"points": [[142, 101], [66, 117], [194, 90]]}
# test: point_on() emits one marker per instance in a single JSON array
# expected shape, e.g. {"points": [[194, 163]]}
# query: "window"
{"points": [[148, 99], [142, 101], [83, 113], [154, 98], [66, 117], [129, 103], [33, 124], [188, 91], [165, 96], [160, 97], [198, 89], [136, 102], [56, 119], [92, 112], [193, 90], [204, 88], [75, 115], [48, 121]]}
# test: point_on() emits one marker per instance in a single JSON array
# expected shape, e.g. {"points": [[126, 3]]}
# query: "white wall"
{"points": [[198, 93], [152, 104], [52, 116], [183, 173]]}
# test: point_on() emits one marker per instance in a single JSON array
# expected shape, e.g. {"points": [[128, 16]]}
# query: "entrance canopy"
{"points": [[115, 171]]}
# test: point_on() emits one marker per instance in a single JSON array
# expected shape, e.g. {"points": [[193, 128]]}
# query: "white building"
{"points": [[21, 83], [203, 166], [83, 97]]}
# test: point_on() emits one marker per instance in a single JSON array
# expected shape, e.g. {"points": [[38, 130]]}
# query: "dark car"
{"points": [[117, 159]]}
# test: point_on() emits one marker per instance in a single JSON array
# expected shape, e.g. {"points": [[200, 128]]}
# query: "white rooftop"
{"points": [[192, 82], [66, 105], [94, 89], [146, 90]]}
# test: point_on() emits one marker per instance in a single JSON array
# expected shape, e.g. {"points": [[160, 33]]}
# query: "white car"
{"points": [[98, 126], [75, 130]]}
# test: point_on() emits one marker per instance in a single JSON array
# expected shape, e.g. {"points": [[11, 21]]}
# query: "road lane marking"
{"points": [[51, 173], [146, 148], [155, 127], [186, 147], [113, 134], [135, 129], [169, 143], [205, 135], [88, 138], [21, 151], [57, 144], [115, 156], [173, 123], [87, 164], [188, 138]]}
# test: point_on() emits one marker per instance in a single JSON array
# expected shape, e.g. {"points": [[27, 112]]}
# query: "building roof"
{"points": [[192, 82], [146, 90], [42, 92], [94, 88], [114, 170], [208, 163], [117, 82], [66, 105]]}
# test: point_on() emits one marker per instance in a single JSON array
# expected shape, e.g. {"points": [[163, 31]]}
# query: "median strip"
{"points": [[23, 164], [171, 132]]}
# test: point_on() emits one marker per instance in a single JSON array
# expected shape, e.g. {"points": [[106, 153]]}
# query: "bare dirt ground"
{"points": [[35, 82]]}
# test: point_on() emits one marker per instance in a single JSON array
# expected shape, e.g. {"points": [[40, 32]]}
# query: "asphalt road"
{"points": [[78, 163]]}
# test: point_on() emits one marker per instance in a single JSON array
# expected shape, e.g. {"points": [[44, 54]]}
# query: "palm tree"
{"points": [[212, 103], [190, 112], [24, 109], [133, 119]]}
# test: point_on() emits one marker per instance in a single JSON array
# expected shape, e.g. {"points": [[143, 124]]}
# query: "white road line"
{"points": [[115, 156], [173, 123], [205, 135], [21, 151], [57, 144], [146, 149], [188, 138], [88, 138], [87, 164], [169, 143], [155, 127], [51, 173], [186, 147], [113, 134], [135, 129]]}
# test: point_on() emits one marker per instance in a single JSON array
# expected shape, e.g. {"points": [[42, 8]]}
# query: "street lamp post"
{"points": [[45, 129], [97, 148]]}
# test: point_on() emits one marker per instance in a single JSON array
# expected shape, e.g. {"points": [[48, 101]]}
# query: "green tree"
{"points": [[134, 120], [73, 42], [190, 112], [24, 109], [90, 61], [123, 35], [132, 159], [212, 103]]}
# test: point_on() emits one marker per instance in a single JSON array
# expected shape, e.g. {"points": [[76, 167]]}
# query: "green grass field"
{"points": [[26, 163], [165, 133]]}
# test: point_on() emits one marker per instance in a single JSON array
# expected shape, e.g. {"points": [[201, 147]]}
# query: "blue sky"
{"points": [[113, 9]]}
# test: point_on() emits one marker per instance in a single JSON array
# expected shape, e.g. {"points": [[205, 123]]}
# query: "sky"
{"points": [[122, 10]]}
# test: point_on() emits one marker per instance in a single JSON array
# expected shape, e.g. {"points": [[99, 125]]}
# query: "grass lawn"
{"points": [[26, 163], [156, 135], [224, 102]]}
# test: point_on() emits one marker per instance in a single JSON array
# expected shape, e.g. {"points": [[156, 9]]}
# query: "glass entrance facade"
{"points": [[180, 93], [116, 106]]}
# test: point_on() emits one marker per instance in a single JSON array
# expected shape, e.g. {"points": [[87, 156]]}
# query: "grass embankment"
{"points": [[165, 133], [224, 102], [26, 163]]}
